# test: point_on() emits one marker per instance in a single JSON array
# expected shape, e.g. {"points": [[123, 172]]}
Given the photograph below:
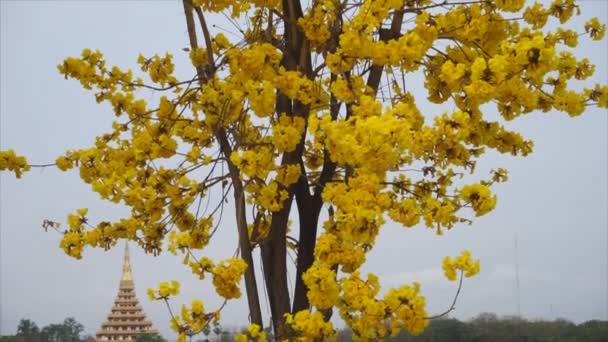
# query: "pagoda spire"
{"points": [[127, 276], [126, 320]]}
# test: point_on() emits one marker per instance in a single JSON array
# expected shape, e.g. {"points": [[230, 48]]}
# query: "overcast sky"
{"points": [[555, 201]]}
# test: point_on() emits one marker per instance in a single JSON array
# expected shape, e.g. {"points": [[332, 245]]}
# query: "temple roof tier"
{"points": [[143, 323], [126, 309], [126, 315], [124, 332]]}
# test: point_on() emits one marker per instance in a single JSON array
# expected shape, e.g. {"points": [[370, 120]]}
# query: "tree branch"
{"points": [[453, 306], [239, 195]]}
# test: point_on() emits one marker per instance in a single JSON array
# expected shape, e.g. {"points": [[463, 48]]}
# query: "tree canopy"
{"points": [[310, 115], [480, 329], [69, 330], [27, 327], [149, 338]]}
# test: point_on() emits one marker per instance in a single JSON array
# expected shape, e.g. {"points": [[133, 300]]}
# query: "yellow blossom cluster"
{"points": [[254, 333], [317, 23], [332, 251], [323, 289], [536, 15], [75, 237], [463, 263], [298, 87], [595, 29], [195, 316], [164, 290], [310, 326], [13, 162], [193, 234], [402, 308], [237, 8], [286, 133], [86, 68], [288, 174], [226, 277], [254, 163], [360, 309], [198, 57], [407, 309], [199, 267], [192, 319], [349, 90], [406, 212], [160, 68], [270, 197], [599, 94], [360, 205], [221, 42], [480, 198], [510, 5], [563, 9], [256, 62]]}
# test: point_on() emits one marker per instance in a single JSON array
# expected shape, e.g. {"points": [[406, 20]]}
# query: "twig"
{"points": [[453, 306]]}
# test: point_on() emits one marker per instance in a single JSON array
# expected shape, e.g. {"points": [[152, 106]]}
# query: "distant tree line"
{"points": [[488, 327], [28, 331], [69, 330], [72, 331]]}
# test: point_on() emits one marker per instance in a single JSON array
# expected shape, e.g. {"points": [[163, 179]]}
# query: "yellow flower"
{"points": [[63, 163], [174, 288], [599, 94], [595, 29], [480, 197], [452, 73], [406, 212], [309, 326], [254, 163], [288, 174], [166, 289], [72, 244], [221, 41], [271, 198], [322, 286], [510, 5], [407, 309], [286, 133], [226, 277], [463, 262], [199, 57], [12, 162], [317, 22], [197, 307], [570, 102], [563, 9], [536, 15], [256, 333], [151, 294]]}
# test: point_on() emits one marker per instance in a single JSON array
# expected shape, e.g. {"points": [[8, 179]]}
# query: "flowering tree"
{"points": [[309, 109]]}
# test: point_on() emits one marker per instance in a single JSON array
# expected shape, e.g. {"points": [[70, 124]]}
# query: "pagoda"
{"points": [[126, 320]]}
